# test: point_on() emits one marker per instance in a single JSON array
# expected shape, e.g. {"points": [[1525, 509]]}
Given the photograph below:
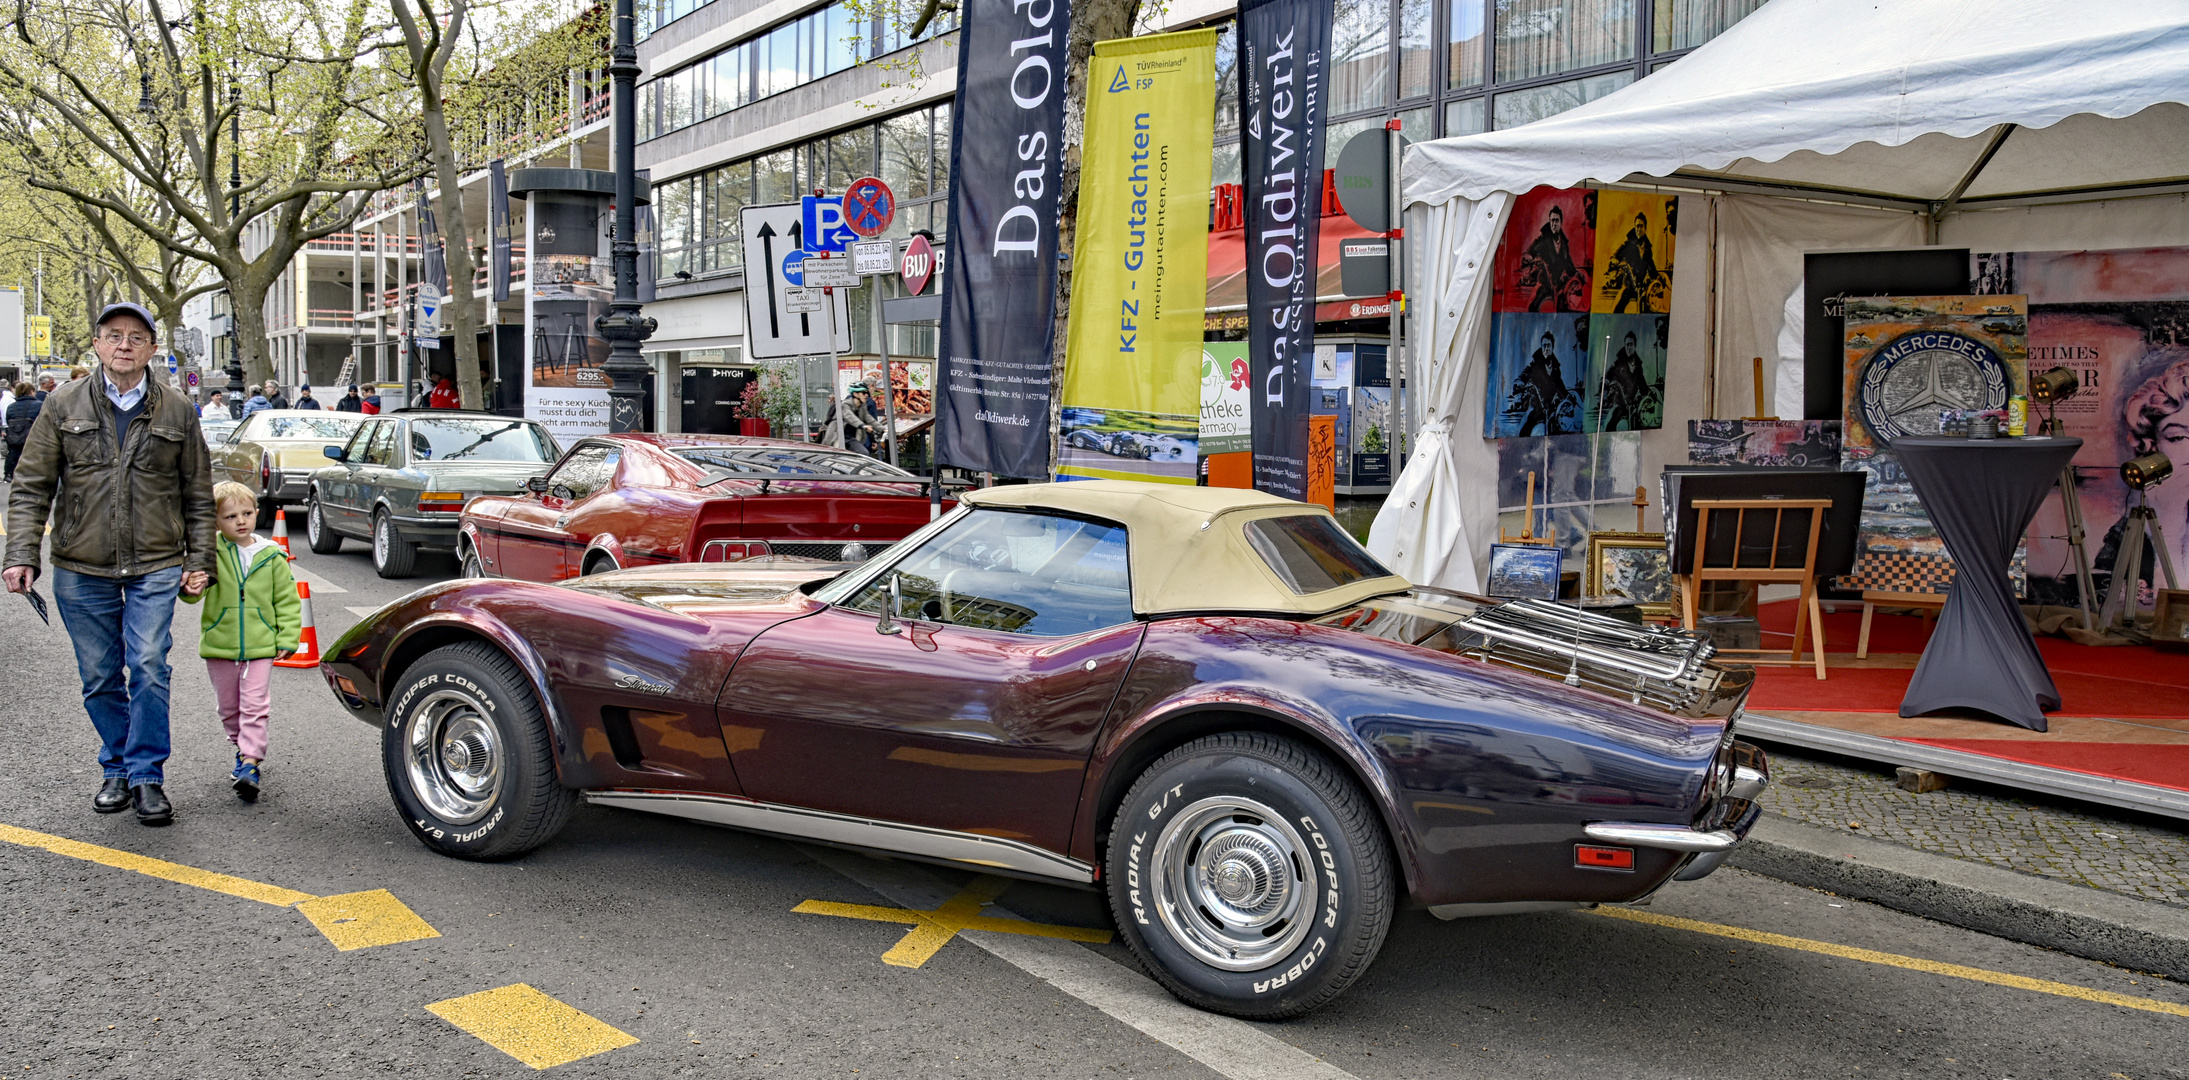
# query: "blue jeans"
{"points": [[123, 625]]}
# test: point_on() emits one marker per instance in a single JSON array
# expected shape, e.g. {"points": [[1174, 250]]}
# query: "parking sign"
{"points": [[822, 219]]}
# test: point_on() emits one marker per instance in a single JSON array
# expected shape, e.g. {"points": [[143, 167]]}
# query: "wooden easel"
{"points": [[1808, 614], [1527, 525]]}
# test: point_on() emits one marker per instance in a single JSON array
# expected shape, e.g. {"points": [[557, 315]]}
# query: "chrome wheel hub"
{"points": [[1233, 883], [453, 757]]}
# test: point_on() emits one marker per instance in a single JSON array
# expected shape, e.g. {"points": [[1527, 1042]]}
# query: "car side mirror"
{"points": [[334, 452], [536, 485], [887, 624], [563, 492]]}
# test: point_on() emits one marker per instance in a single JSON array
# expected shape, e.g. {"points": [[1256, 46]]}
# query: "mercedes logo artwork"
{"points": [[1914, 377]]}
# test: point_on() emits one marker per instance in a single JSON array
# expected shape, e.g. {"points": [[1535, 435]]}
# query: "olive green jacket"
{"points": [[116, 511]]}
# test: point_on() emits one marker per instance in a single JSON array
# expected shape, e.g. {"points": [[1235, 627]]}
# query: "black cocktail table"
{"points": [[1981, 494]]}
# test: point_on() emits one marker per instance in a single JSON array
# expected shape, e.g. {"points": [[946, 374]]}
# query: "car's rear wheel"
{"points": [[1250, 875], [392, 556], [324, 541], [468, 758], [598, 563]]}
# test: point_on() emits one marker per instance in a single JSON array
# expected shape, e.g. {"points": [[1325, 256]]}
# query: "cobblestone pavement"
{"points": [[2121, 851]]}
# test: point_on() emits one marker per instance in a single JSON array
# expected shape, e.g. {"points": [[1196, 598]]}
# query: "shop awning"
{"points": [[1227, 290]]}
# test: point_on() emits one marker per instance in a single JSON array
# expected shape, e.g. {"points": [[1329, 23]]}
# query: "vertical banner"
{"points": [[999, 288], [649, 252], [497, 216], [432, 273], [1132, 370], [1283, 78]]}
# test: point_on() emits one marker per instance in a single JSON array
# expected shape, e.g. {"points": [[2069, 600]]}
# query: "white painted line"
{"points": [[1231, 1047], [361, 612], [318, 584]]}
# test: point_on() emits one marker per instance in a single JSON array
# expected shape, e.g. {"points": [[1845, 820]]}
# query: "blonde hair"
{"points": [[228, 492]]}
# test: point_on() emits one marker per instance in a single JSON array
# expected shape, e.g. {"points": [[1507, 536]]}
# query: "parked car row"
{"points": [[508, 502]]}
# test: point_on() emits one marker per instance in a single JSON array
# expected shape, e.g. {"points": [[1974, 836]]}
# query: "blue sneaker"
{"points": [[246, 779]]}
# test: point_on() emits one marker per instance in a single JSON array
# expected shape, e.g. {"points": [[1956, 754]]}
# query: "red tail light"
{"points": [[265, 468], [1587, 857], [732, 550]]}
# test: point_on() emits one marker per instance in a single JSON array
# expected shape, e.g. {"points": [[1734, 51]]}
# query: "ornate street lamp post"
{"points": [[623, 327]]}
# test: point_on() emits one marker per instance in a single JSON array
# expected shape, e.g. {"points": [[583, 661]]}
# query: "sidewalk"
{"points": [[2094, 882]]}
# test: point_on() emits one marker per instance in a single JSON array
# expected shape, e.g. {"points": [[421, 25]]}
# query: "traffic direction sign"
{"points": [[823, 218], [869, 206], [774, 268]]}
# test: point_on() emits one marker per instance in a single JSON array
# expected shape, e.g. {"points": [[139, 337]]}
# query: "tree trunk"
{"points": [[247, 299], [456, 234], [1092, 21]]}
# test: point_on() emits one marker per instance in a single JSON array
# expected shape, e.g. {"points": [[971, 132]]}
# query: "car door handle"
{"points": [[562, 522]]}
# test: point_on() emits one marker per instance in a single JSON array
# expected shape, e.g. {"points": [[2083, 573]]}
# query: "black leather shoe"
{"points": [[152, 805], [113, 796]]}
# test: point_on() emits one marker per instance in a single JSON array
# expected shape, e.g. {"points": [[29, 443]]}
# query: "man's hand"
{"points": [[19, 578], [194, 582], [284, 654]]}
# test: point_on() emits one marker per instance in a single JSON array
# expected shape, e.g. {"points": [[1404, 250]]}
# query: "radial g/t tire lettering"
{"points": [[1250, 875], [469, 759]]}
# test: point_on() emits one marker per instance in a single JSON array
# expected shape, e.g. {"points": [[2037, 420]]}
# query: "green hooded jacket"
{"points": [[251, 608]]}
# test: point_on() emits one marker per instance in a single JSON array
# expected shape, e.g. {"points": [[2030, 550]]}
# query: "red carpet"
{"points": [[2162, 764], [2121, 683]]}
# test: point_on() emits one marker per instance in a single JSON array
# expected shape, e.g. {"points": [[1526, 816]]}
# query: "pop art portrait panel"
{"points": [[1634, 248], [1546, 262]]}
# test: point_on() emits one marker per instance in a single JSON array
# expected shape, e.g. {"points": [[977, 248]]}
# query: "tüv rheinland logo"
{"points": [[1118, 84]]}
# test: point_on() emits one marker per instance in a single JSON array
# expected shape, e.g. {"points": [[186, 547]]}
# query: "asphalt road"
{"points": [[685, 939]]}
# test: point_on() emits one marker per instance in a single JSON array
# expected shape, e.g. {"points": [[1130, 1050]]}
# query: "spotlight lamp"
{"points": [[2140, 473], [2054, 385]]}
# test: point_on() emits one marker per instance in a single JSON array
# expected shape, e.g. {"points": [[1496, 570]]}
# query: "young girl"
{"points": [[252, 617]]}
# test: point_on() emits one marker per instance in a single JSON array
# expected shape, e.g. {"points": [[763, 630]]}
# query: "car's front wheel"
{"points": [[468, 758], [471, 566], [392, 556], [324, 541], [1250, 875]]}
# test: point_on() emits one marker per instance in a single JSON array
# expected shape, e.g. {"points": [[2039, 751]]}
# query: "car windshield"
{"points": [[332, 428], [728, 462], [479, 440], [1020, 573], [1310, 554]]}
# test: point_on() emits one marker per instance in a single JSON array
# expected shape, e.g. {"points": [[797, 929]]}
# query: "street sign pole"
{"points": [[889, 383], [1398, 367]]}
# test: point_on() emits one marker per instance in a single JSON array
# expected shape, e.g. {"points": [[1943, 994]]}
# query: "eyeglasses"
{"points": [[136, 340]]}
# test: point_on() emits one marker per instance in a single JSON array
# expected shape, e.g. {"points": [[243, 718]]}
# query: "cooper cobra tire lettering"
{"points": [[529, 804], [1342, 852]]}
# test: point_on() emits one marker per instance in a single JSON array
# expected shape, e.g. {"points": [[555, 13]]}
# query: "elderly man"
{"points": [[275, 399], [137, 526]]}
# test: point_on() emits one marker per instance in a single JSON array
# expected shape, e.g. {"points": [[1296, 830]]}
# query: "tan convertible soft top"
{"points": [[1188, 547]]}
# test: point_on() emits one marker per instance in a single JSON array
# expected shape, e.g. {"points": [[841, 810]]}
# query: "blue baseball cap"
{"points": [[127, 308]]}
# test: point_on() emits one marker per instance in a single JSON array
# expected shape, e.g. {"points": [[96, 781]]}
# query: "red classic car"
{"points": [[618, 501], [1212, 704]]}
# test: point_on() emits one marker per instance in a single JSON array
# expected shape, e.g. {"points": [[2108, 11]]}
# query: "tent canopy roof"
{"points": [[1913, 102]]}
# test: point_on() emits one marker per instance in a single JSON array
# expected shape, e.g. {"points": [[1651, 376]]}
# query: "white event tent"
{"points": [[1996, 125]]}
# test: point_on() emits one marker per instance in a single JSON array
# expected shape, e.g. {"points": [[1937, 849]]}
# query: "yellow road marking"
{"points": [[361, 920], [351, 920], [159, 868], [931, 930], [1911, 963], [530, 1026]]}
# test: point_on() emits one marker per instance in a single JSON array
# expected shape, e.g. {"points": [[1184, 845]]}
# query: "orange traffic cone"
{"points": [[307, 645], [281, 535]]}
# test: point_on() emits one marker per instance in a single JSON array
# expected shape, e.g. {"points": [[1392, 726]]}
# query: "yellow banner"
{"points": [[1132, 376], [37, 335]]}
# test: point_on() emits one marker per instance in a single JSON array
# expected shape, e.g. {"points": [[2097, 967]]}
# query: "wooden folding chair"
{"points": [[1930, 604], [1808, 614]]}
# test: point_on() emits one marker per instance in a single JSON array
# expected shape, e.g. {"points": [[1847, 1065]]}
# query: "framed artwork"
{"points": [[2170, 623], [1524, 571], [1634, 565]]}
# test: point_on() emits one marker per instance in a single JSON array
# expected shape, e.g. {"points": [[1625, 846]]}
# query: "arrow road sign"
{"points": [[774, 266], [823, 218]]}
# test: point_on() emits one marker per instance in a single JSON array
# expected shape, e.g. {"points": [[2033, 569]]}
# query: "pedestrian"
{"points": [[215, 404], [304, 398], [258, 403], [21, 414], [275, 399], [136, 528], [76, 373], [251, 618], [45, 386], [444, 395], [371, 405], [350, 402]]}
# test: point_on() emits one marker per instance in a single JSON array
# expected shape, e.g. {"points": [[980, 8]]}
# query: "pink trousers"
{"points": [[245, 691]]}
